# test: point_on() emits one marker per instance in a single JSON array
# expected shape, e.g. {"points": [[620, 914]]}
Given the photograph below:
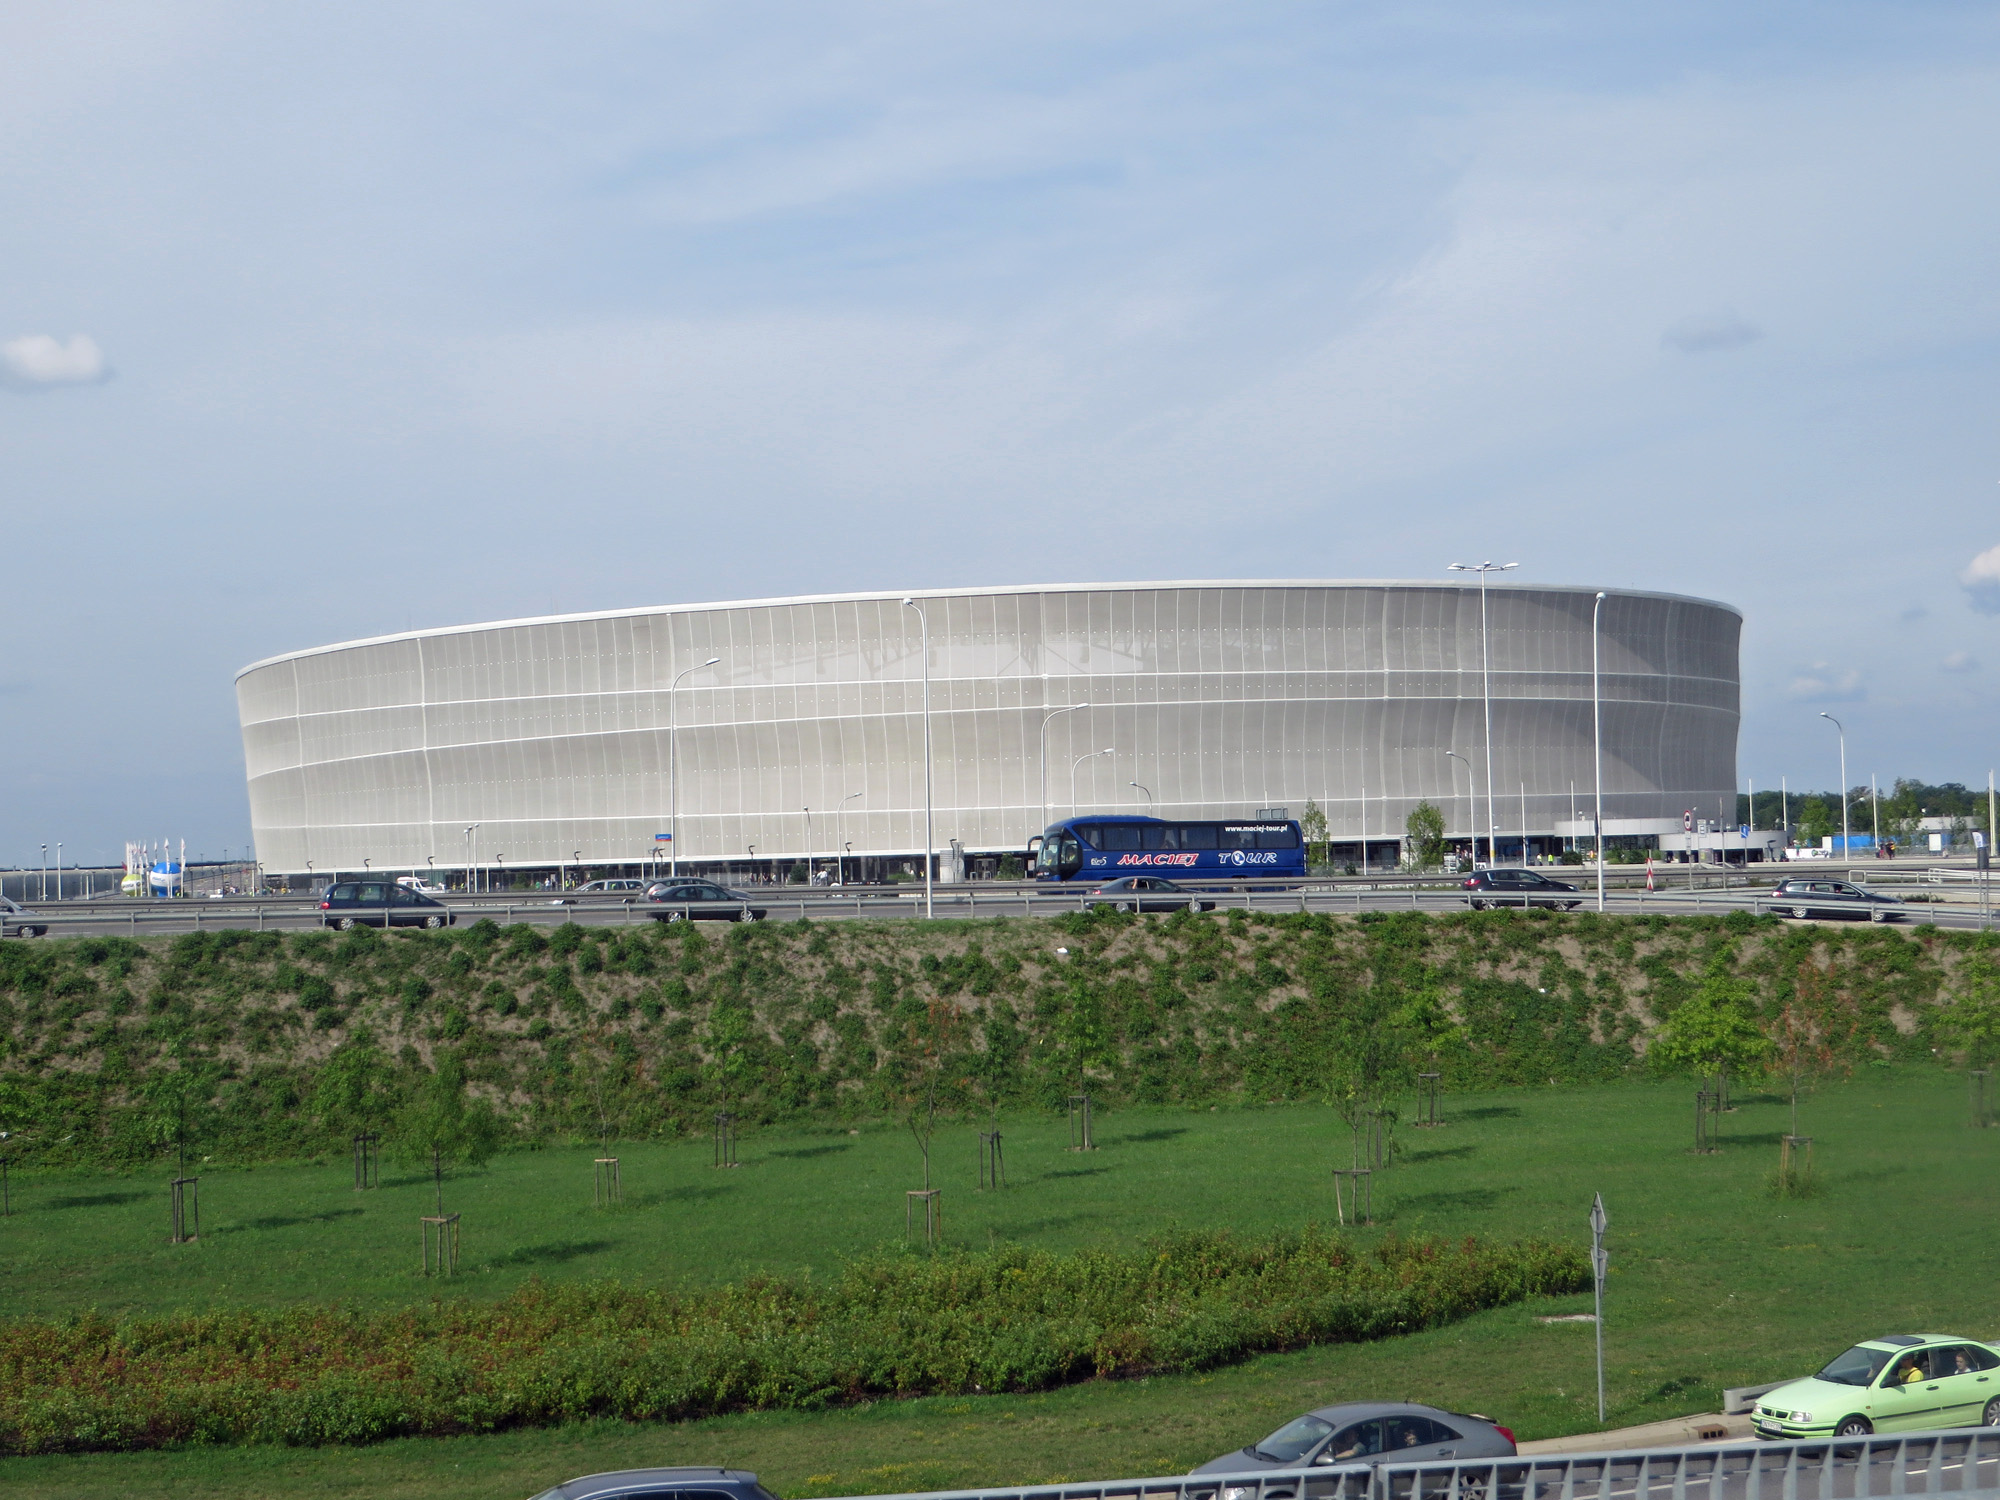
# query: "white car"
{"points": [[17, 921], [420, 885], [630, 889]]}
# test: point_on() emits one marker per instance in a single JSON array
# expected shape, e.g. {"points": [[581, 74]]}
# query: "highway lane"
{"points": [[985, 901]]}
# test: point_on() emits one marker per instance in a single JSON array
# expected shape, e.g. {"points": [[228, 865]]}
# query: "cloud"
{"points": [[1960, 661], [1982, 581], [1706, 333], [36, 359], [1820, 684]]}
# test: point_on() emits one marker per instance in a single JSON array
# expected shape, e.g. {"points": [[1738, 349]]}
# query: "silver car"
{"points": [[1369, 1432], [17, 921]]}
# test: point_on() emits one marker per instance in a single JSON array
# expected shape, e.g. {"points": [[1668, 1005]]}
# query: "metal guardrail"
{"points": [[1959, 1462]]}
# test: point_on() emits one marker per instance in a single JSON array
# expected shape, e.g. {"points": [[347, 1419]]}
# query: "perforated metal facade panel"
{"points": [[1218, 698]]}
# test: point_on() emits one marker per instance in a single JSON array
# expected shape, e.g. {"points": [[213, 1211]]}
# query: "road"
{"points": [[982, 900]]}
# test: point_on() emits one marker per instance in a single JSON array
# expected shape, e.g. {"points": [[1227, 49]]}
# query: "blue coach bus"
{"points": [[1103, 847]]}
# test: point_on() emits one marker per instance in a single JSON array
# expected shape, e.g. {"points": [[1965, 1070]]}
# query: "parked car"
{"points": [[1518, 888], [700, 901], [631, 890], [1147, 893], [1369, 1432], [379, 903], [1899, 1383], [662, 1484], [17, 920], [420, 885], [1821, 897]]}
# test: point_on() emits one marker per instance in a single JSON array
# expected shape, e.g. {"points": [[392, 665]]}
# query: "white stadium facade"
{"points": [[752, 736]]}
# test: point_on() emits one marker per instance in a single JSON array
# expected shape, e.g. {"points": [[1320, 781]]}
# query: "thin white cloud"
{"points": [[1981, 579], [35, 360], [1819, 683], [1960, 661], [1710, 333]]}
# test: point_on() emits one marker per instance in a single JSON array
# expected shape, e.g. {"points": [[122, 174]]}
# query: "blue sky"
{"points": [[324, 322]]}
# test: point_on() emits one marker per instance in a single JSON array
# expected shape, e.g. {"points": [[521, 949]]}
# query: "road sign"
{"points": [[1599, 1263]]}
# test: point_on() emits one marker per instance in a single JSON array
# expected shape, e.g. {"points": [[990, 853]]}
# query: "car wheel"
{"points": [[1801, 912], [1196, 906], [1124, 905], [752, 916], [1991, 1416], [433, 920], [1855, 1427], [675, 916], [1878, 916], [1478, 905], [344, 924]]}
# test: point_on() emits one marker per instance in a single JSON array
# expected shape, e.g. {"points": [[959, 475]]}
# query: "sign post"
{"points": [[1598, 1261]]}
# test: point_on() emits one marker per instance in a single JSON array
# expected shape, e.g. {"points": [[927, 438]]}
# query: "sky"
{"points": [[325, 322]]}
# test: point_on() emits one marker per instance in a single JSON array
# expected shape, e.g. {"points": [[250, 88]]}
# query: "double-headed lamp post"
{"points": [[930, 840], [847, 845], [1486, 696], [1597, 745], [1846, 843], [673, 770]]}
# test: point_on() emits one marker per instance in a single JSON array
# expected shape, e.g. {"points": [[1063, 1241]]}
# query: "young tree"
{"points": [[1313, 824], [353, 1092], [1971, 1020], [930, 1036], [1715, 1032], [1424, 830], [1810, 1031], [442, 1125], [179, 1105]]}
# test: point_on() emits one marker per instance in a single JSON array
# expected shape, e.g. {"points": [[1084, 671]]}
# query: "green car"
{"points": [[1904, 1382]]}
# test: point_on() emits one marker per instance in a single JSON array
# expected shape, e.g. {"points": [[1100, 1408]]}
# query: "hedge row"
{"points": [[1008, 1319]]}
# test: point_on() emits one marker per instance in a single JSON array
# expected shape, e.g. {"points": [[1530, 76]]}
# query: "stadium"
{"points": [[753, 736]]}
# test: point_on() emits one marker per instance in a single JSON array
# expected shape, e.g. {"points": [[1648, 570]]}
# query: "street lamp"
{"points": [[43, 893], [809, 844], [1471, 804], [1486, 695], [1052, 713], [673, 769], [59, 879], [1149, 795], [1846, 843], [930, 840], [840, 827], [1597, 745], [1072, 774]]}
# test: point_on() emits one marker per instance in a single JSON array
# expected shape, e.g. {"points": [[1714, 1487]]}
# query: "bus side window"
{"points": [[1161, 838], [1197, 835], [1282, 838], [1120, 836], [1239, 838]]}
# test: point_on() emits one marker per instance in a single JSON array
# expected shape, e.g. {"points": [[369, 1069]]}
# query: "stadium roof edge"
{"points": [[863, 596]]}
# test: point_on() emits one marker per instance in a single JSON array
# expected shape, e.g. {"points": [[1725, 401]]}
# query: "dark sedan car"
{"points": [[661, 1484], [380, 903], [1821, 897], [700, 901], [1147, 893], [1369, 1432], [1519, 888]]}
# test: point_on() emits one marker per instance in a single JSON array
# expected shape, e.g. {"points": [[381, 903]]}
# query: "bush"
{"points": [[1008, 1319]]}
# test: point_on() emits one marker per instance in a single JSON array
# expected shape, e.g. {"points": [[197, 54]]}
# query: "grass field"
{"points": [[1714, 1281]]}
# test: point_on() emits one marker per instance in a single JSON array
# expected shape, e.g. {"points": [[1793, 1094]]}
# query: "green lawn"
{"points": [[1714, 1282]]}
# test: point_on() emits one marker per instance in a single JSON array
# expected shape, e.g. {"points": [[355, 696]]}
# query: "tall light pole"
{"points": [[43, 891], [1846, 844], [809, 843], [673, 770], [471, 829], [1072, 774], [1471, 802], [1052, 713], [1486, 695], [1149, 795], [846, 844], [59, 879], [1597, 742], [930, 839]]}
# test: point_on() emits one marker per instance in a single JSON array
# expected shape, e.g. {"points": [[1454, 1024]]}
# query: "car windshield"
{"points": [[1857, 1366], [1293, 1441]]}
